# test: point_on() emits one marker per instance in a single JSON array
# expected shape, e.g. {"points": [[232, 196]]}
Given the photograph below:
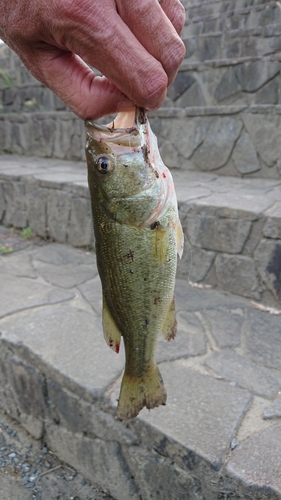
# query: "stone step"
{"points": [[232, 226], [211, 82], [218, 15], [219, 435], [236, 81], [229, 44], [229, 140]]}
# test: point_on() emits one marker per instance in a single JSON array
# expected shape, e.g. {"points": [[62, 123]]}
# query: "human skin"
{"points": [[135, 44]]}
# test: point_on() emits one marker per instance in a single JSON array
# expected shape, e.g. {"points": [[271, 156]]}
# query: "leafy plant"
{"points": [[26, 233], [4, 250]]}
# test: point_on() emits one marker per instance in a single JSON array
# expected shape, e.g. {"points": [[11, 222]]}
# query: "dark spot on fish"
{"points": [[157, 300], [124, 165], [128, 256], [147, 321], [144, 279], [155, 225]]}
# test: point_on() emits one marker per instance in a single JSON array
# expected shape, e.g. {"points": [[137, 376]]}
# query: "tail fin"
{"points": [[136, 393]]}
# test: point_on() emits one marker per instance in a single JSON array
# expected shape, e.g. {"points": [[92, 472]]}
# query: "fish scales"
{"points": [[138, 235]]}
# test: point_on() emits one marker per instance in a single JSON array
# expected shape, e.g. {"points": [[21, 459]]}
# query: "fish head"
{"points": [[121, 177]]}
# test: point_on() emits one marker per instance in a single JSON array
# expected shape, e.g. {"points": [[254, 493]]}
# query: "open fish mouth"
{"points": [[129, 135]]}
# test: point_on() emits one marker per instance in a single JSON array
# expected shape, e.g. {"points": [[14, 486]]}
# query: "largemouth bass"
{"points": [[138, 235]]}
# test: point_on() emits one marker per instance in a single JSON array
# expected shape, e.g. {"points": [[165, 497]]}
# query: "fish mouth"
{"points": [[130, 132]]}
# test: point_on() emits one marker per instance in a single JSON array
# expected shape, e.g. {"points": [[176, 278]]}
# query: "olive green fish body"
{"points": [[137, 234]]}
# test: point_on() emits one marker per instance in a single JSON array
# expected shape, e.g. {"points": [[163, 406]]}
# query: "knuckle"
{"points": [[178, 18], [174, 56], [154, 88]]}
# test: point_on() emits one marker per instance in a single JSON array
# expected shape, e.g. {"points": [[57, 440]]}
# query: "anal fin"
{"points": [[111, 332], [169, 323]]}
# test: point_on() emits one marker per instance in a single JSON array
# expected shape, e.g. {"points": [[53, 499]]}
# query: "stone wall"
{"points": [[222, 112], [232, 227]]}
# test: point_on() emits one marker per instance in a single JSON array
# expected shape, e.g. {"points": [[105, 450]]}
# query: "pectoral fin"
{"points": [[169, 324], [111, 333], [180, 239]]}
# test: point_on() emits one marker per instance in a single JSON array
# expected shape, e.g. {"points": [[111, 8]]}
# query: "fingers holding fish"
{"points": [[135, 45], [156, 27]]}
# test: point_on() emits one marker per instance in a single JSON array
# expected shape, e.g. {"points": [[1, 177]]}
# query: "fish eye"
{"points": [[104, 165]]}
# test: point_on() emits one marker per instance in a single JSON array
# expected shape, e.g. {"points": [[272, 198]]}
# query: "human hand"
{"points": [[135, 44]]}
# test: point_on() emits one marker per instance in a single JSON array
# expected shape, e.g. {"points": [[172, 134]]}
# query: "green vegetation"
{"points": [[4, 249], [5, 79], [26, 233]]}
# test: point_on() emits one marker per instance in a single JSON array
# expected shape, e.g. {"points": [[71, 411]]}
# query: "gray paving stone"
{"points": [[36, 202], [225, 325], [80, 230], [233, 367], [185, 136], [192, 97], [78, 415], [58, 336], [92, 292], [195, 263], [28, 387], [245, 156], [272, 227], [218, 143], [256, 463], [58, 254], [159, 479], [268, 94], [262, 339], [10, 239], [189, 341], [100, 462], [15, 211], [228, 85], [58, 209], [202, 414], [180, 85], [253, 75], [274, 410], [268, 260], [190, 298], [237, 274], [247, 200], [17, 295], [66, 275], [266, 135], [217, 233], [18, 265]]}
